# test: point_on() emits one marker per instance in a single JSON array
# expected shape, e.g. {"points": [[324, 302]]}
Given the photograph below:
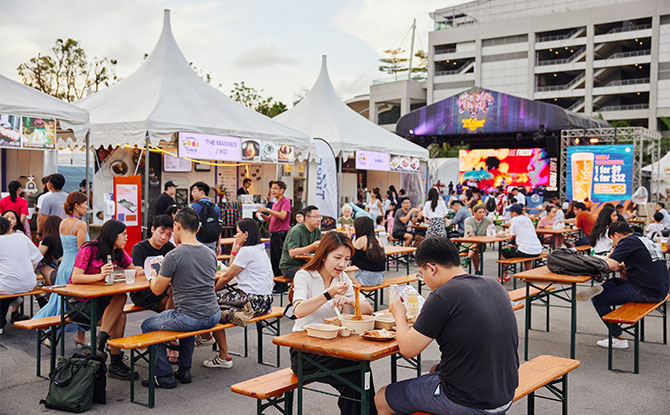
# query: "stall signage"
{"points": [[601, 173], [27, 132], [209, 147], [406, 164], [372, 160]]}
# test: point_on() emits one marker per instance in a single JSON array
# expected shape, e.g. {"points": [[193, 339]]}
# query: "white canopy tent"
{"points": [[165, 96], [662, 182], [323, 114]]}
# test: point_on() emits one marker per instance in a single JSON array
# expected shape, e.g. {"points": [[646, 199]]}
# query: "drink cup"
{"points": [[582, 175], [130, 275]]}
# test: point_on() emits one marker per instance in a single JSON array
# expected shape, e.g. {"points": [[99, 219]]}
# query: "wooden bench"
{"points": [[632, 315], [43, 326], [275, 388], [509, 265], [32, 293], [583, 248], [150, 340], [543, 371], [373, 292], [520, 294]]}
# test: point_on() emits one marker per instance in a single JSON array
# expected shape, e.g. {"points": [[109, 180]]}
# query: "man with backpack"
{"points": [[209, 214]]}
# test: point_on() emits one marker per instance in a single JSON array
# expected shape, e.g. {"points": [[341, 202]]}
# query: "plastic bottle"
{"points": [[393, 294], [412, 306], [109, 278]]}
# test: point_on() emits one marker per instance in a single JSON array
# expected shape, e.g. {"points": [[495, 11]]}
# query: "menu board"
{"points": [[404, 163], [372, 160], [601, 173], [176, 164]]}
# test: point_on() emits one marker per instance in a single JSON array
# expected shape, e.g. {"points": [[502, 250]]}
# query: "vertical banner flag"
{"points": [[323, 180], [601, 173]]}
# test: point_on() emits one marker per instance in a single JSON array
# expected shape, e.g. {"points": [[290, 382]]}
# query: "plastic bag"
{"points": [[405, 292]]}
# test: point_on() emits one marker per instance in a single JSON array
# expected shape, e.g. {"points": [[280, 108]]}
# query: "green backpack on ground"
{"points": [[76, 383]]}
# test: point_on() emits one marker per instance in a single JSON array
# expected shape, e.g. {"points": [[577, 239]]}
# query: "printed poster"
{"points": [[10, 131], [127, 204], [39, 133], [601, 173]]}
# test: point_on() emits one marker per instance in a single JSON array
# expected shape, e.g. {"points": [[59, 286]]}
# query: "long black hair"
{"points": [[433, 196], [363, 226], [108, 234], [19, 226], [13, 188], [251, 228], [4, 225], [603, 222]]}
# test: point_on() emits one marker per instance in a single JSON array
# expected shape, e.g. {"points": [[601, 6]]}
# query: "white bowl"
{"points": [[322, 331], [358, 326]]}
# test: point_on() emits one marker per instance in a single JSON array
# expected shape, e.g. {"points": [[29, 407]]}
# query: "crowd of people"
{"points": [[189, 289]]}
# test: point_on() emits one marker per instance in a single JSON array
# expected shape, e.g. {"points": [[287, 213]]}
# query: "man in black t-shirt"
{"points": [[646, 277], [166, 199], [158, 244], [472, 320]]}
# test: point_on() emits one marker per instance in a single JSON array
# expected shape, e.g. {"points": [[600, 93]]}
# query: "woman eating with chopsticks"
{"points": [[312, 302]]}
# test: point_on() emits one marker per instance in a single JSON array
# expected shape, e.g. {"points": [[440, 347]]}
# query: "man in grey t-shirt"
{"points": [[191, 269], [53, 202], [462, 213]]}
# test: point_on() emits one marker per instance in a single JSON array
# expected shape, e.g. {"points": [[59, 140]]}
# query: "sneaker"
{"points": [[163, 382], [120, 370], [589, 293], [218, 362], [200, 340], [17, 316], [183, 375], [616, 343]]}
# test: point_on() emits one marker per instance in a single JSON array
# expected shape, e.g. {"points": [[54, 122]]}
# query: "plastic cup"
{"points": [[130, 275]]}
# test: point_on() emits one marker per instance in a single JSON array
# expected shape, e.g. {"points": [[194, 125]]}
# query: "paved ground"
{"points": [[592, 388]]}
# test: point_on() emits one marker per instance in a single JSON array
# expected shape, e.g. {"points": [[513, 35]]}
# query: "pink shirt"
{"points": [[276, 224], [20, 206], [87, 261]]}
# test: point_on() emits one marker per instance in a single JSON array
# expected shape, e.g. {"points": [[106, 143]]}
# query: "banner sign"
{"points": [[517, 167], [372, 160], [601, 173], [210, 147], [323, 180]]}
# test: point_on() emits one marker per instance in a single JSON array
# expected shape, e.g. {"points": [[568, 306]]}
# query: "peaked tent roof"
{"points": [[484, 111], [19, 99], [164, 96], [323, 114]]}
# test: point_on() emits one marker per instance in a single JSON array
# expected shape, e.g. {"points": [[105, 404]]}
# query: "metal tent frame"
{"points": [[645, 142]]}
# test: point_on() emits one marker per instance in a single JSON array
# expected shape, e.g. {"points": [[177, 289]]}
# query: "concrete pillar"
{"points": [[478, 60], [532, 58], [50, 162], [588, 80], [653, 73], [404, 105], [373, 113]]}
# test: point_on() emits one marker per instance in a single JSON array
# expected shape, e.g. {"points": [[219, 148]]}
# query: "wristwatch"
{"points": [[327, 295]]}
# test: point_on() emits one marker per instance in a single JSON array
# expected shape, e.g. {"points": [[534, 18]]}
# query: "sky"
{"points": [[275, 47]]}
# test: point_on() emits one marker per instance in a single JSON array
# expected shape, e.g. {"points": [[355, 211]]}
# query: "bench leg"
{"points": [[273, 330], [394, 368], [527, 325], [548, 308], [531, 403], [642, 330], [664, 311], [376, 300], [609, 349], [38, 355], [636, 352]]}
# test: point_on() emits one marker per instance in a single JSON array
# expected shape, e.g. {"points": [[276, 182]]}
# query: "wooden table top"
{"points": [[542, 274], [353, 347], [482, 239], [395, 250], [552, 231], [230, 241], [637, 221], [98, 289]]}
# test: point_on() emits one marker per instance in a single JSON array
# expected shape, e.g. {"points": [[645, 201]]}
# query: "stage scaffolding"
{"points": [[645, 142]]}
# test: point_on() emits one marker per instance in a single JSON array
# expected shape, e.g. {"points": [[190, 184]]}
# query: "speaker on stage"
{"points": [[553, 145]]}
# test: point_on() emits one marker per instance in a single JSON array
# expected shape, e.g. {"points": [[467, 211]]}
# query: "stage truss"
{"points": [[645, 142]]}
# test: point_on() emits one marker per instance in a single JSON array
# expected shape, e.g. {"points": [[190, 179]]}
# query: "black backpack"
{"points": [[210, 228], [567, 262], [491, 204]]}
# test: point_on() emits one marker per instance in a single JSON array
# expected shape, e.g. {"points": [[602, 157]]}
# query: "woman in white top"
{"points": [[435, 211], [18, 258], [375, 207], [253, 272], [318, 287], [599, 237]]}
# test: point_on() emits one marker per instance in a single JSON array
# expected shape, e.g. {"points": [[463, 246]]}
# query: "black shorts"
{"points": [[82, 315], [147, 299], [400, 234], [515, 253]]}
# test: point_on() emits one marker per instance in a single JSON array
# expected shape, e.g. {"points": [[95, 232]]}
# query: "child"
{"points": [[655, 228], [390, 218], [383, 236]]}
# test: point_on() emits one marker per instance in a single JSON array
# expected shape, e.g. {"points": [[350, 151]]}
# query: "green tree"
{"points": [[422, 66], [66, 72], [393, 62], [251, 97]]}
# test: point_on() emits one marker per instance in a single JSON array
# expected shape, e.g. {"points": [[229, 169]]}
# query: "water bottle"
{"points": [[109, 278]]}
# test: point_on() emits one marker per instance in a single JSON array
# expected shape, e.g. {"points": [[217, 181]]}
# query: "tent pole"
{"points": [[146, 186], [88, 180], [339, 182]]}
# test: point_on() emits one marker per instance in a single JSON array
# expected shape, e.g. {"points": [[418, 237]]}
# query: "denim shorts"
{"points": [[369, 278], [425, 394]]}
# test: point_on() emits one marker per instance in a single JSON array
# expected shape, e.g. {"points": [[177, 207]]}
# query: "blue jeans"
{"points": [[211, 245], [618, 291], [174, 320]]}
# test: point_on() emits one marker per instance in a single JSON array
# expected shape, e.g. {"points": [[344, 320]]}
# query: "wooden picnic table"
{"points": [[230, 241], [482, 241], [354, 348], [93, 292], [555, 232], [542, 279], [388, 251]]}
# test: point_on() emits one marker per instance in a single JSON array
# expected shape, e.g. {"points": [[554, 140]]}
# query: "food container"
{"points": [[332, 320], [345, 332], [358, 326], [384, 321], [322, 331]]}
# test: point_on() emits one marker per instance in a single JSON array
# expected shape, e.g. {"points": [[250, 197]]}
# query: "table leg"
{"points": [[365, 387], [62, 326], [407, 259], [573, 319], [528, 305], [94, 325], [300, 382], [481, 259]]}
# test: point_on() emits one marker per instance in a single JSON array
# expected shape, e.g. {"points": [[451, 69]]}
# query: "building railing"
{"points": [[455, 71], [402, 76], [630, 54], [439, 50], [572, 58], [576, 105], [629, 28], [563, 87], [625, 107], [559, 37], [621, 82]]}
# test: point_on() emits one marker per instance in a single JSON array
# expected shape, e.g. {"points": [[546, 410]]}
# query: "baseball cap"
{"points": [[516, 208], [169, 183]]}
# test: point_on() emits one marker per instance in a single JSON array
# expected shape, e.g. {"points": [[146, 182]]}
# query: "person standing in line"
{"points": [[209, 214], [279, 218], [166, 199], [190, 269], [53, 203]]}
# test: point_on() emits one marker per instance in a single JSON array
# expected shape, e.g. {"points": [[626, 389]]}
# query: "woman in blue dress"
{"points": [[73, 234]]}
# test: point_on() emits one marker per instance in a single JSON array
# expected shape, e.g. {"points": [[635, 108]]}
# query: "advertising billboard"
{"points": [[601, 173], [517, 167]]}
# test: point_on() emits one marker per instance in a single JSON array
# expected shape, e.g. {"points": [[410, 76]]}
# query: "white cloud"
{"points": [[262, 57]]}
